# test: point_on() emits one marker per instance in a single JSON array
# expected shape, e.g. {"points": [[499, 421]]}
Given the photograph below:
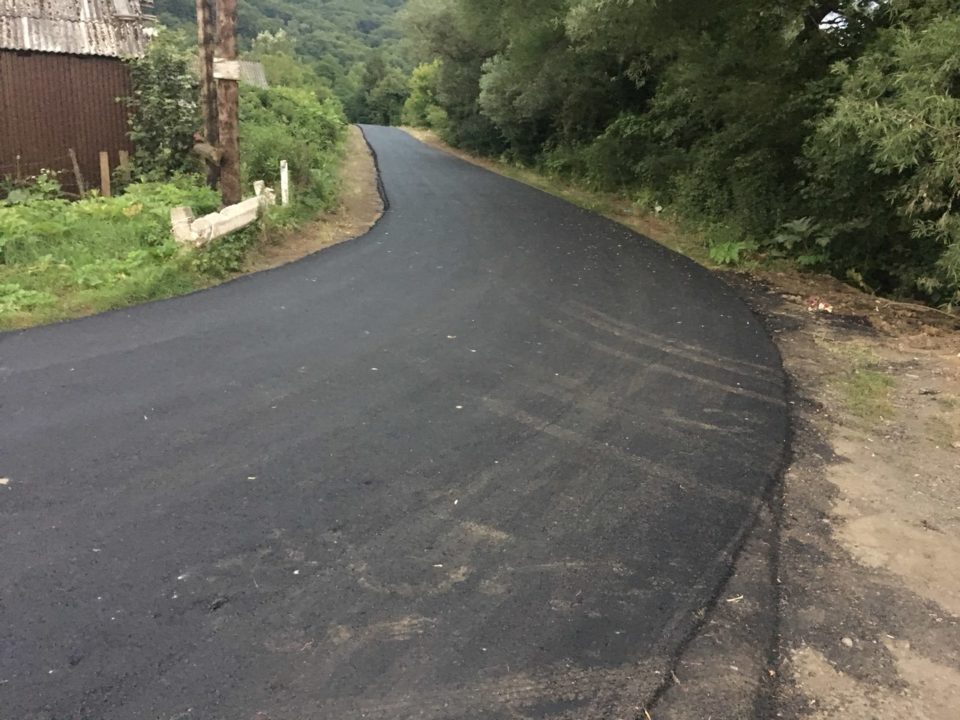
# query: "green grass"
{"points": [[864, 387], [60, 259], [867, 393]]}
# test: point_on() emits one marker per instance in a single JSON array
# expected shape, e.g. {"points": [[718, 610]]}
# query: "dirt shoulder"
{"points": [[860, 617], [359, 209], [870, 535]]}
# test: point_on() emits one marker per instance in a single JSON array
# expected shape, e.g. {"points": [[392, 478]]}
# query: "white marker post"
{"points": [[284, 183]]}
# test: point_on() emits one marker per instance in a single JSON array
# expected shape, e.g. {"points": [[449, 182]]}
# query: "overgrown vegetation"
{"points": [[292, 124], [826, 133], [60, 259], [163, 108]]}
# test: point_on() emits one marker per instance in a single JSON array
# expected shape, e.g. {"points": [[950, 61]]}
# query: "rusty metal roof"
{"points": [[108, 28]]}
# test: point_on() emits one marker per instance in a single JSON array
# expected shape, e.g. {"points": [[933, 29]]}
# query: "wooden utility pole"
{"points": [[207, 37], [227, 73]]}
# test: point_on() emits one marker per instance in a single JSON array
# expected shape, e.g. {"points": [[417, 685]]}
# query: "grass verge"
{"points": [[865, 386]]}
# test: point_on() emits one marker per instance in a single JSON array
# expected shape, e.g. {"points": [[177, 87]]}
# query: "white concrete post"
{"points": [[284, 183]]}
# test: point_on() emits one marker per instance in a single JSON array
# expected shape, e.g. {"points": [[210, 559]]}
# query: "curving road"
{"points": [[487, 461]]}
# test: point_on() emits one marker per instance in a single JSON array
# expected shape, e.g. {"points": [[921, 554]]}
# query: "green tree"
{"points": [[379, 94], [463, 37], [163, 108], [277, 53], [422, 108], [824, 130], [885, 159]]}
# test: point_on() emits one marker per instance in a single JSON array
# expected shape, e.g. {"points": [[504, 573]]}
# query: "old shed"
{"points": [[61, 72]]}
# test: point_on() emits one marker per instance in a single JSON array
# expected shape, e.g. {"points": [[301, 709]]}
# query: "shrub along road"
{"points": [[491, 460]]}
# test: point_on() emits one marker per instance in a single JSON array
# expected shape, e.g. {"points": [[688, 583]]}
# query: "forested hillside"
{"points": [[826, 132], [350, 44]]}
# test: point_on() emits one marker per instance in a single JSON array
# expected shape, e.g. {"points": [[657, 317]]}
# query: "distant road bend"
{"points": [[485, 462]]}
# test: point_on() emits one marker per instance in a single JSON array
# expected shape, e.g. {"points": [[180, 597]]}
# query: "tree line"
{"points": [[826, 132]]}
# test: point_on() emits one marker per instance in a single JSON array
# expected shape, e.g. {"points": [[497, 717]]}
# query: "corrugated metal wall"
{"points": [[50, 103]]}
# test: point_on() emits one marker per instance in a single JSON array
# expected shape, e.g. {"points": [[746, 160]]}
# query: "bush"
{"points": [[72, 232], [885, 160], [164, 109], [424, 95], [294, 125]]}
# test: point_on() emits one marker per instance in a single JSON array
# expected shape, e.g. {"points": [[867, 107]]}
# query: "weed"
{"points": [[14, 298], [867, 393], [865, 388], [947, 403]]}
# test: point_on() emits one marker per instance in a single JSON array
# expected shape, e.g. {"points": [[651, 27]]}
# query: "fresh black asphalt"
{"points": [[490, 460]]}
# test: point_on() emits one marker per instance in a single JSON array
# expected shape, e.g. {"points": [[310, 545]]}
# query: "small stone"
{"points": [[847, 642]]}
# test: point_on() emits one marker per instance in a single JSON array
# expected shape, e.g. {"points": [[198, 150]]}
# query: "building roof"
{"points": [[253, 73], [108, 28]]}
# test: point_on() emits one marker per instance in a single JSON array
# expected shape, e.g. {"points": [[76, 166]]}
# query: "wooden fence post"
{"points": [[125, 166], [81, 186], [105, 174]]}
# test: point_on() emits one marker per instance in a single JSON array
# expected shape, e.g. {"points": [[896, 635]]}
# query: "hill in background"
{"points": [[336, 38]]}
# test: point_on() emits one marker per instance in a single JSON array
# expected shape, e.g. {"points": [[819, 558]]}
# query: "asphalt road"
{"points": [[487, 461]]}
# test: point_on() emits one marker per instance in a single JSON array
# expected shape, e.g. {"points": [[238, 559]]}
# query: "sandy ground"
{"points": [[861, 543], [360, 207], [869, 560]]}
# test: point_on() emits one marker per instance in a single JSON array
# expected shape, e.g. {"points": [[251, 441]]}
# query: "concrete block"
{"points": [[236, 217], [181, 218], [198, 232], [203, 229]]}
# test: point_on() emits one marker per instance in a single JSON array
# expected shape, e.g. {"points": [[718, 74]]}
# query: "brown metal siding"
{"points": [[50, 103]]}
